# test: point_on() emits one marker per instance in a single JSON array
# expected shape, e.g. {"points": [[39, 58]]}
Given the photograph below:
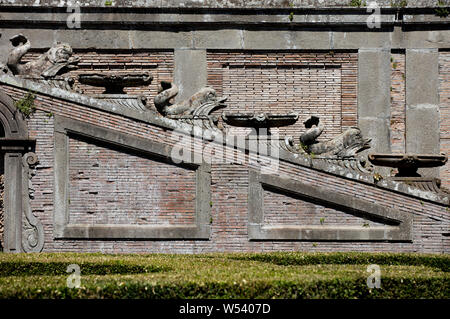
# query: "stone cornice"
{"points": [[135, 16], [228, 4]]}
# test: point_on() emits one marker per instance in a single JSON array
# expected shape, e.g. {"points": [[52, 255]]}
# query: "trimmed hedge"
{"points": [[231, 276], [435, 288], [441, 262], [20, 268]]}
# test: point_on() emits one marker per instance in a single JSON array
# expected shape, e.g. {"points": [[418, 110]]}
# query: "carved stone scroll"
{"points": [[33, 231]]}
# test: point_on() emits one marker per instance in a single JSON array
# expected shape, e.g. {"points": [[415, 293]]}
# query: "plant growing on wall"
{"points": [[377, 177], [26, 104], [441, 11], [291, 14], [357, 3], [399, 3]]}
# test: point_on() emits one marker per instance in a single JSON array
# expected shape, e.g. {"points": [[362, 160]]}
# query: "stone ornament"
{"points": [[33, 231], [48, 65], [193, 110], [358, 164], [408, 164], [260, 120], [345, 145], [115, 83], [167, 90]]}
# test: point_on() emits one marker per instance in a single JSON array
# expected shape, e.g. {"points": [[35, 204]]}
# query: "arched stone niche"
{"points": [[23, 232]]}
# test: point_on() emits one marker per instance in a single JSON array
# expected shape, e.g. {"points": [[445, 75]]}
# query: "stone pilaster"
{"points": [[13, 203], [190, 73], [374, 81], [422, 104]]}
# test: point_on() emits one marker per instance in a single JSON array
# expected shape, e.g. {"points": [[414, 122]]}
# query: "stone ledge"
{"points": [[234, 38], [114, 231], [139, 18], [142, 19]]}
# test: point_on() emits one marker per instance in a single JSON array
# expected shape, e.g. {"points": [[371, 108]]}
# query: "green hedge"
{"points": [[32, 268], [441, 262], [332, 289], [233, 275]]}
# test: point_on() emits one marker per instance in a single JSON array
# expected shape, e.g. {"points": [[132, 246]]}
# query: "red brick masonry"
{"points": [[111, 185], [229, 199], [322, 84]]}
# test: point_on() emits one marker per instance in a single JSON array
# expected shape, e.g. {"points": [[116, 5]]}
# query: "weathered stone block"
{"points": [[378, 130], [422, 133], [190, 72], [422, 77], [358, 39], [99, 39], [277, 39], [159, 39], [374, 79], [217, 39], [422, 104]]}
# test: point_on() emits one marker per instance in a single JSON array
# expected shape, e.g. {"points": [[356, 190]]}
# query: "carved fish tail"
{"points": [[15, 55], [168, 90]]}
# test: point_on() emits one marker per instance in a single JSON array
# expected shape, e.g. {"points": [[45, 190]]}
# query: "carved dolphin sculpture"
{"points": [[344, 145], [168, 90], [47, 65]]}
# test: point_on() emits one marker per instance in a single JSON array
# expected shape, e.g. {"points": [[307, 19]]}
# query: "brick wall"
{"points": [[41, 127], [285, 209], [322, 84], [229, 186], [229, 213], [113, 186], [157, 63], [444, 95]]}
